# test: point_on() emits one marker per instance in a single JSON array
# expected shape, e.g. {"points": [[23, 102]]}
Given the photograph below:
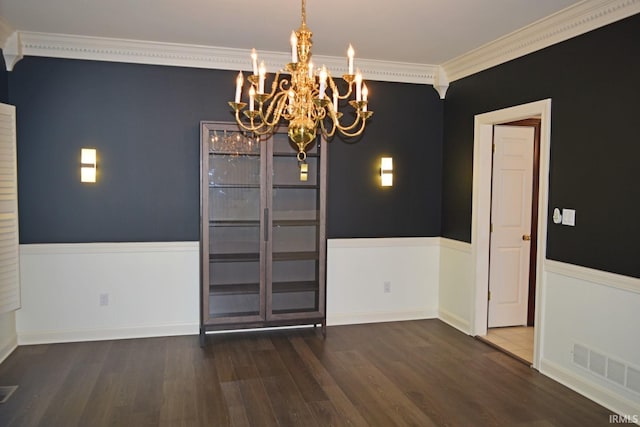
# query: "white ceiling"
{"points": [[413, 31]]}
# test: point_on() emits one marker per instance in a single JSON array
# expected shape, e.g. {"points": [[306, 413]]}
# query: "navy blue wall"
{"points": [[144, 121], [594, 85], [406, 125]]}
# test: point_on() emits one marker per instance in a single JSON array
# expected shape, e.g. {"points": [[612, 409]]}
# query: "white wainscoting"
{"points": [[358, 269], [599, 311], [152, 291], [153, 287], [456, 284], [8, 336]]}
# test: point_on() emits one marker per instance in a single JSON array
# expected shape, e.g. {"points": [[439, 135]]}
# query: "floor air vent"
{"points": [[6, 392], [606, 367]]}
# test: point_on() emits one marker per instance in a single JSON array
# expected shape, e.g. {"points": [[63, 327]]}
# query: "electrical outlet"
{"points": [[387, 287], [104, 300]]}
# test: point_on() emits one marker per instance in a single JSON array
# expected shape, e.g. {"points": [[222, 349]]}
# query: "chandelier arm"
{"points": [[260, 129], [333, 128], [256, 129], [344, 128], [283, 85], [274, 85], [320, 113], [279, 98], [280, 101], [334, 89], [353, 134]]}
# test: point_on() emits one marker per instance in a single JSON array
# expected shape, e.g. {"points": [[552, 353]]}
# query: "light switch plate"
{"points": [[569, 217]]}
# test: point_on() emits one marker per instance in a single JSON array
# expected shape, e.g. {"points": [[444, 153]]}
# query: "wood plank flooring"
{"points": [[414, 373]]}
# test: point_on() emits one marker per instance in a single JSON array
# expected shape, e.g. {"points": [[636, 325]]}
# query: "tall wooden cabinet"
{"points": [[263, 234]]}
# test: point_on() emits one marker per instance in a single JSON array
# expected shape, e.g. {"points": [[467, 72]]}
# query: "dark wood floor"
{"points": [[419, 373]]}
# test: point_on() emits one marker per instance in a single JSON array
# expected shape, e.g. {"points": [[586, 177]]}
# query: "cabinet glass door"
{"points": [[295, 210], [234, 214]]}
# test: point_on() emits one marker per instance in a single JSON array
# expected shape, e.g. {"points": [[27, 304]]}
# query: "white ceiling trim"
{"points": [[183, 55], [570, 22]]}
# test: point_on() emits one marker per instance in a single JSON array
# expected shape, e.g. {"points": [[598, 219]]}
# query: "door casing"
{"points": [[481, 209]]}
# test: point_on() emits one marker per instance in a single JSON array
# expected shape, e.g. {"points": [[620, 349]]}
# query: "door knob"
{"points": [[526, 237]]}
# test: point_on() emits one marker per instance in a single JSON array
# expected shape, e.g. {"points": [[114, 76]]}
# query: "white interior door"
{"points": [[510, 245]]}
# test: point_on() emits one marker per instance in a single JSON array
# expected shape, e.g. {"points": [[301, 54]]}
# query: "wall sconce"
{"points": [[386, 171], [304, 171], [88, 165]]}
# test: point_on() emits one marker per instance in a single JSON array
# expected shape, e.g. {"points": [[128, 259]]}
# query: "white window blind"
{"points": [[9, 255]]}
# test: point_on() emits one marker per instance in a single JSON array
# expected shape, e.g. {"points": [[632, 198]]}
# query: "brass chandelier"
{"points": [[301, 100]]}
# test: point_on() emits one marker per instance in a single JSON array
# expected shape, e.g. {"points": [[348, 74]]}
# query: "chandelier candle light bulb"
{"points": [[252, 96], [365, 95], [239, 81], [301, 99], [350, 53], [323, 82], [294, 47], [262, 71], [358, 86], [254, 61]]}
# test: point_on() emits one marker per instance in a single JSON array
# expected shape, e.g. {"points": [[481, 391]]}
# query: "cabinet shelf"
{"points": [[296, 186], [294, 222], [234, 223], [294, 256], [254, 288], [255, 256], [236, 314], [281, 287], [289, 154], [256, 223], [234, 289], [256, 186], [235, 257], [234, 153]]}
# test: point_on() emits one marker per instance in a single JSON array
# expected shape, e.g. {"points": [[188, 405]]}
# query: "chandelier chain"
{"points": [[304, 12]]}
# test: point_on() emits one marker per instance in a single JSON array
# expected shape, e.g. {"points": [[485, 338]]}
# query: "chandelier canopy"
{"points": [[302, 99]]}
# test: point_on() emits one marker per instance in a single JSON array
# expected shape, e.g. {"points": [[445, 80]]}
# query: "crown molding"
{"points": [[570, 22], [183, 55]]}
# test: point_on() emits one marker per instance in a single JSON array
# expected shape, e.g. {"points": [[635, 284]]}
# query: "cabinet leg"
{"points": [[202, 336], [324, 329]]}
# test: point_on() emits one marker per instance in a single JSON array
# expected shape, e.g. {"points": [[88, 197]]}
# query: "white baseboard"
{"points": [[380, 316], [455, 321], [7, 349], [146, 331], [601, 395]]}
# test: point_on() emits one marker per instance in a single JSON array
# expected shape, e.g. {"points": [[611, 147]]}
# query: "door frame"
{"points": [[481, 209]]}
